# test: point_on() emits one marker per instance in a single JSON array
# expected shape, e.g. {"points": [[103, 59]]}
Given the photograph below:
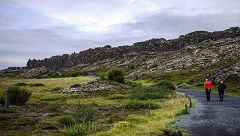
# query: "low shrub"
{"points": [[79, 130], [36, 84], [184, 85], [55, 97], [54, 74], [66, 121], [166, 85], [21, 84], [83, 129], [62, 73], [137, 104], [150, 92], [84, 114], [117, 97], [116, 75], [199, 85], [191, 81], [17, 96], [103, 76], [76, 73]]}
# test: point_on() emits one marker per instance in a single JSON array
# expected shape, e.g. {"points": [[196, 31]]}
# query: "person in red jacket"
{"points": [[208, 87]]}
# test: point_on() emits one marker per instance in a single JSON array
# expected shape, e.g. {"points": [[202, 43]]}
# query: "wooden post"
{"points": [[190, 100], [7, 97], [186, 109], [190, 105]]}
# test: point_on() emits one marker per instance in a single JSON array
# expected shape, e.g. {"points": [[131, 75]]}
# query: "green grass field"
{"points": [[47, 111]]}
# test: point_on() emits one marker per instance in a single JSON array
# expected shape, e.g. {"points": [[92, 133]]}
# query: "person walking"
{"points": [[208, 87], [221, 88]]}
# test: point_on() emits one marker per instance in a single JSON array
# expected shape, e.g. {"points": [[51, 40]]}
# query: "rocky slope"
{"points": [[217, 52]]}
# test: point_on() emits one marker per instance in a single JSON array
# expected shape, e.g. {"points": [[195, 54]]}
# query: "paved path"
{"points": [[214, 118]]}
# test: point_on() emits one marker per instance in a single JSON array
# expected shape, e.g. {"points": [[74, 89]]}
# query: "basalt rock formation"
{"points": [[140, 48], [196, 51]]}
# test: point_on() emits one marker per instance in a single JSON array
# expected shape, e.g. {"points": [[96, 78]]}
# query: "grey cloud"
{"points": [[22, 45], [168, 25], [27, 30], [14, 16]]}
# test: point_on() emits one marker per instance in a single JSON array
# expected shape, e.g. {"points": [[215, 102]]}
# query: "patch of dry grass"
{"points": [[153, 124]]}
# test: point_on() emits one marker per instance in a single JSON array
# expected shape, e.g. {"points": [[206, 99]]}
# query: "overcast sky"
{"points": [[42, 28]]}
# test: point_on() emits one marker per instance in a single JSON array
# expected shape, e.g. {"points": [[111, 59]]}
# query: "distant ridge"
{"points": [[146, 48]]}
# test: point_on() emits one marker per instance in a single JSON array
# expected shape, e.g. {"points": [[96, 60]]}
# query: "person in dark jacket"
{"points": [[221, 88]]}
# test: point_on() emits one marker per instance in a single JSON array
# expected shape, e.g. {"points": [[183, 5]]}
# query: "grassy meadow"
{"points": [[49, 112]]}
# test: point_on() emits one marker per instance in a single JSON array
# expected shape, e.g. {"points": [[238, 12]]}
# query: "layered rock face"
{"points": [[36, 72], [154, 48], [215, 53], [226, 72]]}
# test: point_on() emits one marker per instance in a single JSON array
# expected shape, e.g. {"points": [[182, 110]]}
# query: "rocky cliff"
{"points": [[214, 52], [146, 48]]}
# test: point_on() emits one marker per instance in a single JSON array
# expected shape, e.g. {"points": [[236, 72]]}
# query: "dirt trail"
{"points": [[214, 118]]}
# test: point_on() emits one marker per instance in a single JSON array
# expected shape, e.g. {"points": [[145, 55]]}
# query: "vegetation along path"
{"points": [[214, 118]]}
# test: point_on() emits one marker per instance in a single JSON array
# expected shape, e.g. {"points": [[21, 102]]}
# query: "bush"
{"points": [[76, 73], [21, 84], [199, 85], [103, 76], [191, 81], [166, 85], [84, 114], [150, 92], [62, 73], [18, 96], [136, 104], [116, 75], [78, 130], [36, 84], [54, 74], [83, 117], [66, 121]]}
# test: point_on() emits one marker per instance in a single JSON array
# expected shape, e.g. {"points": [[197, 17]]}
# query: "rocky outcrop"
{"points": [[36, 72], [225, 73], [96, 85], [137, 50], [213, 52]]}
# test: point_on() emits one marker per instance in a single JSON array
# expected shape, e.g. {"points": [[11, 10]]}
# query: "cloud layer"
{"points": [[38, 29]]}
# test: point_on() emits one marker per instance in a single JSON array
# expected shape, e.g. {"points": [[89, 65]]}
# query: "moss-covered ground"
{"points": [[47, 112]]}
